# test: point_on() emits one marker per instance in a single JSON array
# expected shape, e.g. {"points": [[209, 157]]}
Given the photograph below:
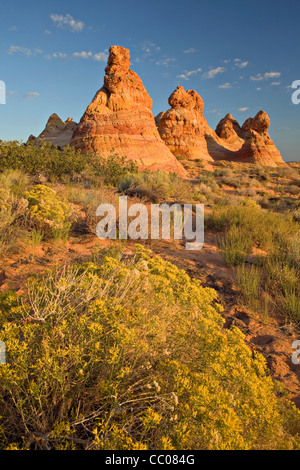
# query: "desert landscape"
{"points": [[123, 344]]}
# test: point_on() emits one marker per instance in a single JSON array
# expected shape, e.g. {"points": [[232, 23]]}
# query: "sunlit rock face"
{"points": [[57, 131], [187, 134], [120, 118]]}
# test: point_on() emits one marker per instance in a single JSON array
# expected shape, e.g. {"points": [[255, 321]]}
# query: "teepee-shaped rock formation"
{"points": [[230, 130], [183, 127], [57, 131], [257, 147], [119, 118], [186, 133]]}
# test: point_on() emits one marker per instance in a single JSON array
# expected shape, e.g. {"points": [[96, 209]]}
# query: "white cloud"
{"points": [[83, 55], [213, 111], [257, 78], [56, 55], [266, 76], [23, 50], [275, 83], [60, 55], [225, 85], [187, 74], [149, 48], [99, 56], [67, 22], [242, 65], [272, 75], [258, 89], [190, 51], [166, 62], [31, 94], [243, 109], [213, 72]]}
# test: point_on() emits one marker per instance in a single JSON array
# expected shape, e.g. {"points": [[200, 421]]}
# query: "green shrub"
{"points": [[46, 159], [248, 225], [157, 186], [249, 282], [132, 356], [113, 169], [14, 180], [283, 271], [235, 245], [266, 229]]}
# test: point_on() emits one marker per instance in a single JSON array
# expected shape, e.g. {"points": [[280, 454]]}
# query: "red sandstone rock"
{"points": [[258, 147], [158, 117], [119, 118], [185, 131], [183, 127], [57, 132], [230, 130]]}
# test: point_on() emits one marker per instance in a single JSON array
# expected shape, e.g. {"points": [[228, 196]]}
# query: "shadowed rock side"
{"points": [[185, 131], [230, 130], [58, 132], [120, 118]]}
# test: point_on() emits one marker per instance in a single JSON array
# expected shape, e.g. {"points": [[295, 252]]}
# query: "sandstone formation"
{"points": [[58, 132], [230, 130], [186, 133], [119, 118], [183, 127], [257, 147], [158, 118], [31, 138]]}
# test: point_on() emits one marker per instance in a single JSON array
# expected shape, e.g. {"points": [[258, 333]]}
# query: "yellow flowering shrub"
{"points": [[47, 210], [132, 355]]}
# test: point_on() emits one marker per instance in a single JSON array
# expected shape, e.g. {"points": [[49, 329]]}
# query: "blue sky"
{"points": [[240, 56]]}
